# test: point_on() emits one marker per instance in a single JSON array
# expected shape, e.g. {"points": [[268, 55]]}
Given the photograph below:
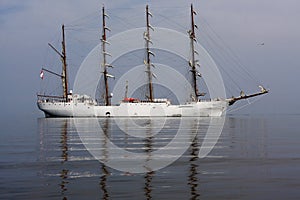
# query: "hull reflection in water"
{"points": [[63, 148], [250, 151], [139, 145]]}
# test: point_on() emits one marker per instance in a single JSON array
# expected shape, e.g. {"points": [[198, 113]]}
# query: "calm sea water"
{"points": [[255, 157]]}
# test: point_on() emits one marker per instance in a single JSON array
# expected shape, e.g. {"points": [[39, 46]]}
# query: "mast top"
{"points": [[193, 25]]}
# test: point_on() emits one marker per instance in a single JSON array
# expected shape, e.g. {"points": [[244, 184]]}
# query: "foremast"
{"points": [[193, 62], [104, 64], [147, 61]]}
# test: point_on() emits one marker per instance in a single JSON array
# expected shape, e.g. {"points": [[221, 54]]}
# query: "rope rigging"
{"points": [[85, 37]]}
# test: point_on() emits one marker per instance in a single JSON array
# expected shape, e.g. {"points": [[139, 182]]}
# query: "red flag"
{"points": [[42, 74]]}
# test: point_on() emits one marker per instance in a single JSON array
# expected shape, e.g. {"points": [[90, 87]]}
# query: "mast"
{"points": [[193, 62], [104, 54], [126, 90], [64, 74], [64, 61], [148, 52]]}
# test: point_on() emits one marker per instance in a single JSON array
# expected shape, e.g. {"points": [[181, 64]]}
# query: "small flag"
{"points": [[42, 74]]}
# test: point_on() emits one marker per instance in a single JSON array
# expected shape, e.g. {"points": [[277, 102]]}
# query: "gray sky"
{"points": [[27, 26]]}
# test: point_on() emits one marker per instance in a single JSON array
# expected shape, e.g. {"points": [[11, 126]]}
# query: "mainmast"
{"points": [[148, 54], [104, 54], [193, 63], [64, 62]]}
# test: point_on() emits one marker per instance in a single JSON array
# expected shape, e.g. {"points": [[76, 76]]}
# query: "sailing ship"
{"points": [[76, 105]]}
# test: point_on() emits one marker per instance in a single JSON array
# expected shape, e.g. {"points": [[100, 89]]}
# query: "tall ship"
{"points": [[81, 105]]}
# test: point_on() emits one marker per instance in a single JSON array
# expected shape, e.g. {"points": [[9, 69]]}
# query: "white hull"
{"points": [[139, 109]]}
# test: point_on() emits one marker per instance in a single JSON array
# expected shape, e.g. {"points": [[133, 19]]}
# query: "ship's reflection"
{"points": [[148, 149], [104, 169], [148, 187], [49, 129], [192, 178], [64, 158], [150, 141]]}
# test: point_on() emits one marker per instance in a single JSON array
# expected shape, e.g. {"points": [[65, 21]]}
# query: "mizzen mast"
{"points": [[147, 61], [63, 57], [64, 61], [104, 56]]}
